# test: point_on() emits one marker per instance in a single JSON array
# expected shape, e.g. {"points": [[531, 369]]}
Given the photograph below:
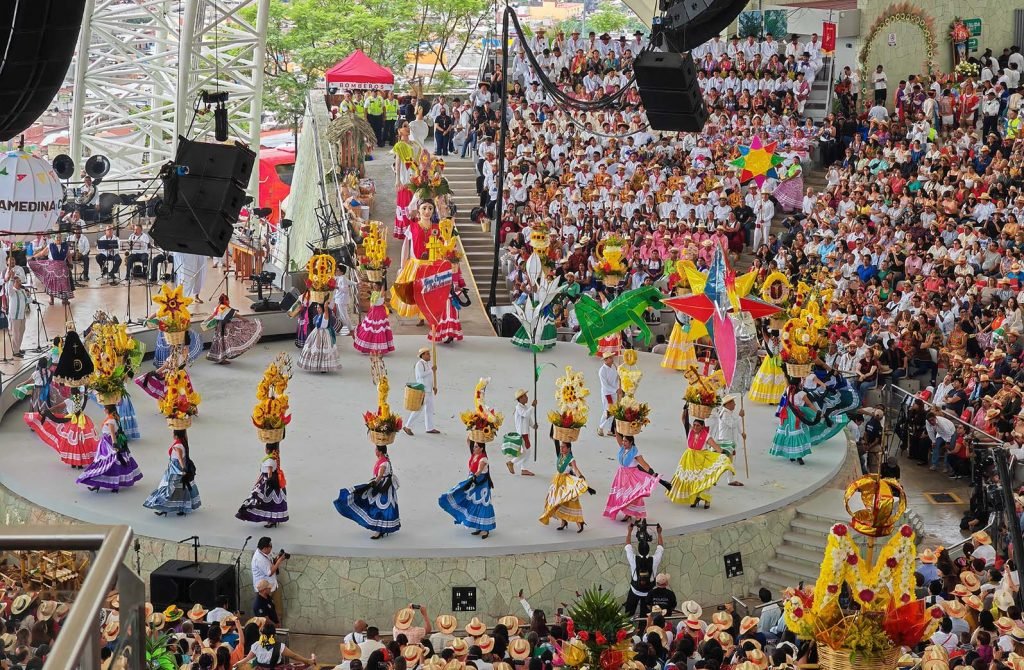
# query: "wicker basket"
{"points": [[175, 338], [839, 659], [179, 424], [270, 435], [566, 434], [318, 296], [414, 398], [374, 275], [630, 427], [109, 398], [483, 436], [381, 439], [699, 411], [611, 281], [798, 369]]}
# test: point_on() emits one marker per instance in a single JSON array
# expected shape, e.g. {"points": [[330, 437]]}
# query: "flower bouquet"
{"points": [[271, 412], [429, 182], [966, 69], [180, 402], [601, 632], [701, 399], [320, 280], [630, 416], [375, 262], [115, 354], [383, 424], [572, 413], [609, 272], [173, 316]]}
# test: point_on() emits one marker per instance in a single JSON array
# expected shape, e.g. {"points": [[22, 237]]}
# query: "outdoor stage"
{"points": [[326, 448]]}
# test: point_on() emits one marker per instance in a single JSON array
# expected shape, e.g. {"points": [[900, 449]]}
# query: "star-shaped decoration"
{"points": [[171, 302], [757, 162]]}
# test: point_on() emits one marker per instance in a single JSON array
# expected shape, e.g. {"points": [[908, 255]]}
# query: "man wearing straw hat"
{"points": [[525, 419], [403, 624], [425, 377], [725, 429], [609, 377]]}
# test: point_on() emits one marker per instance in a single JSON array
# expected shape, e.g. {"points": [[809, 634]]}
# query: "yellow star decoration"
{"points": [[172, 303]]}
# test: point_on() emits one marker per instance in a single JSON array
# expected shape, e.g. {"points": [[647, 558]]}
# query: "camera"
{"points": [[642, 533], [284, 553]]}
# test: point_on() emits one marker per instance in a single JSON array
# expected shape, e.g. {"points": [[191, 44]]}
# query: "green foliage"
{"points": [[443, 82], [750, 24], [598, 610], [158, 653], [612, 19]]}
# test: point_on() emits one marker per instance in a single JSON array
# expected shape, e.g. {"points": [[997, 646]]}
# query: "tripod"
{"points": [[40, 325], [5, 337], [217, 291]]}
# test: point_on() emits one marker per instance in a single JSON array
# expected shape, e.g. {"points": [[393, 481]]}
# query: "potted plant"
{"points": [[602, 632], [271, 413]]}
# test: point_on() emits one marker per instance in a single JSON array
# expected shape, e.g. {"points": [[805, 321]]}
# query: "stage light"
{"points": [[220, 123]]}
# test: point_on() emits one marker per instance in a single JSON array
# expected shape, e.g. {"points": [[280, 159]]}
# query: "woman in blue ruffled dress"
{"points": [[373, 505], [469, 501], [113, 468], [177, 491]]}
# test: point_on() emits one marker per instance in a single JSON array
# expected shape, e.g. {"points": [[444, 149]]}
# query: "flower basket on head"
{"points": [[798, 369], [701, 397], [630, 415], [381, 439], [628, 427], [172, 316], [179, 423], [484, 435], [318, 296], [481, 422], [848, 659], [414, 397], [565, 434], [321, 281], [175, 338], [271, 413], [180, 402], [109, 398], [611, 280], [376, 276], [698, 411]]}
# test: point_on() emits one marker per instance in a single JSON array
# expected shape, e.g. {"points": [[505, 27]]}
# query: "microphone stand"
{"points": [[238, 574], [40, 324], [195, 554], [129, 273]]}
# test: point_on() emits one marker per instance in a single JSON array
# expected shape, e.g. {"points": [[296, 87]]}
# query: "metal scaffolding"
{"points": [[139, 70]]}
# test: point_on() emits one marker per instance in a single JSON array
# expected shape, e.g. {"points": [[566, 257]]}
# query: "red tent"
{"points": [[359, 71]]}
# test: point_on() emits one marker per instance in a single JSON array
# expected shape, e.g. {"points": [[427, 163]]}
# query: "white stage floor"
{"points": [[327, 449]]}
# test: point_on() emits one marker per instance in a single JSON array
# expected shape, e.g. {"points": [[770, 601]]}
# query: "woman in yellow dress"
{"points": [[680, 353], [770, 381], [700, 467], [418, 235], [568, 484]]}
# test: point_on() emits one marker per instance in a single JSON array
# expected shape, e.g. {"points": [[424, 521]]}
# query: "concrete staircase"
{"points": [[477, 245], [817, 103]]}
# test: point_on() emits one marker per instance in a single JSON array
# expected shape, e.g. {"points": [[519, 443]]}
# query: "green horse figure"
{"points": [[623, 311]]}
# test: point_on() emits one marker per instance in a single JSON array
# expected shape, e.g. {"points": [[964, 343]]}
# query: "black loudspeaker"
{"points": [[669, 90], [181, 583], [37, 40], [690, 23], [202, 197], [509, 325], [289, 299]]}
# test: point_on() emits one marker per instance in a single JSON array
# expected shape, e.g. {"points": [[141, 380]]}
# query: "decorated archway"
{"points": [[901, 12]]}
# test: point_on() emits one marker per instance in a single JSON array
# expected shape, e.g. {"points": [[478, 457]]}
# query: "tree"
{"points": [[452, 28], [607, 19]]}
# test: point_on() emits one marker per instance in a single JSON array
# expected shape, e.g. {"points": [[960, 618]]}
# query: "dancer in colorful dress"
{"points": [[303, 311], [404, 167], [320, 353], [680, 353], [373, 505], [268, 502], [836, 397], [50, 264], [700, 467], [193, 344], [414, 252], [770, 381], [568, 484], [177, 491], [127, 418], [469, 501], [449, 328], [374, 336], [153, 382], [113, 468], [72, 435], [234, 335], [634, 480], [793, 436]]}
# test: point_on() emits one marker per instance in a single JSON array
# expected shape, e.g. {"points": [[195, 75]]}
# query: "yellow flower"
{"points": [[172, 303]]}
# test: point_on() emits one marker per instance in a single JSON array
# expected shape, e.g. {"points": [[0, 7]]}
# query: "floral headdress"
{"points": [[115, 354], [320, 269], [570, 397], [272, 408], [173, 314], [629, 409], [482, 417], [180, 399]]}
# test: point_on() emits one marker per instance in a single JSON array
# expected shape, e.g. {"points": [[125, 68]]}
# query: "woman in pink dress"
{"points": [[374, 336], [634, 481], [72, 436], [449, 329]]}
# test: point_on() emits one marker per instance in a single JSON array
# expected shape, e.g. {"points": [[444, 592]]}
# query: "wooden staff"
{"points": [[743, 428], [433, 355]]}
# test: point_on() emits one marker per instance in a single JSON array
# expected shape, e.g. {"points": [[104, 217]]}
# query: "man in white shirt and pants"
{"points": [[609, 377], [525, 419], [424, 376], [764, 212], [264, 567]]}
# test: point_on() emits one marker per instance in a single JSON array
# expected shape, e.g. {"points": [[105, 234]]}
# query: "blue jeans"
{"points": [[440, 143], [469, 142], [864, 387], [938, 455]]}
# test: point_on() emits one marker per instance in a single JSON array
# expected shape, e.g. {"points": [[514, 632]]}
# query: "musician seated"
{"points": [[159, 256], [80, 249], [139, 244], [108, 253]]}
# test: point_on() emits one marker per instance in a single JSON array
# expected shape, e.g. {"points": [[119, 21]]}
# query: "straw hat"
{"points": [[433, 663], [971, 581], [691, 608], [486, 643], [928, 557], [758, 658], [403, 618], [722, 618], [954, 609], [46, 610], [935, 664], [511, 622], [423, 350], [725, 640], [62, 611], [1015, 661], [112, 629], [20, 604], [155, 620], [935, 651], [197, 613], [7, 639], [1004, 624], [475, 627], [173, 614], [519, 393], [351, 651], [459, 646], [412, 654], [519, 649], [608, 354], [748, 623], [228, 623], [961, 591], [446, 623], [981, 537], [974, 602], [501, 665], [454, 664], [1003, 600]]}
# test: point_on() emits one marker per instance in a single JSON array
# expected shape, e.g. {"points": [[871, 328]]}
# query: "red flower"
{"points": [[891, 563], [798, 612], [867, 595], [906, 531], [832, 588], [583, 635], [839, 530], [600, 638], [851, 559], [905, 598], [621, 635], [937, 613], [570, 627]]}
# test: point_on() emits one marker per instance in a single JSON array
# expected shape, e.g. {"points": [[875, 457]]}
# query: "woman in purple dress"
{"points": [[113, 468], [268, 502]]}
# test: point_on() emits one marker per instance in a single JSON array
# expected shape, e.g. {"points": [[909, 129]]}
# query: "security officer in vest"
{"points": [[1013, 125], [390, 117], [375, 115]]}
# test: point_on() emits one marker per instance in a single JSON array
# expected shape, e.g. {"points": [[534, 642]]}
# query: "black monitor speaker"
{"points": [[669, 90], [183, 584], [689, 23], [692, 122], [203, 195], [37, 41]]}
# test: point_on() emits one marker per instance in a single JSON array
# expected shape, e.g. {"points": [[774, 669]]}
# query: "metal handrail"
{"points": [[983, 436], [76, 646]]}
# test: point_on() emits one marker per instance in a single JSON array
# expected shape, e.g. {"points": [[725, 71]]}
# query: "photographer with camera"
{"points": [[642, 566], [265, 568]]}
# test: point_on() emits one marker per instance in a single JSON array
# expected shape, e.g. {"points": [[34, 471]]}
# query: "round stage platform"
{"points": [[327, 448]]}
